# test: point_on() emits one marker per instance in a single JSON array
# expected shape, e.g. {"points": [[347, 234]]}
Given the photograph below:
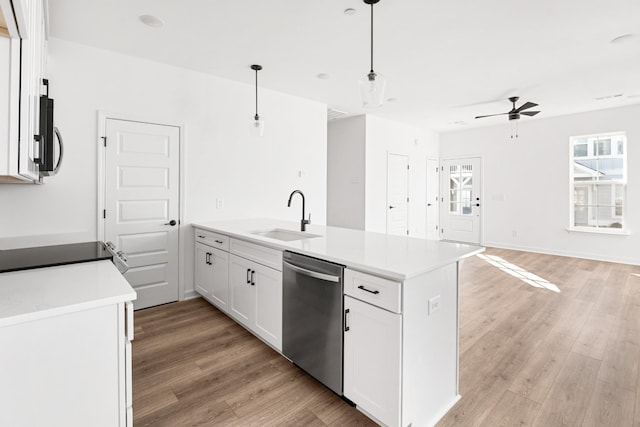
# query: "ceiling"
{"points": [[445, 61]]}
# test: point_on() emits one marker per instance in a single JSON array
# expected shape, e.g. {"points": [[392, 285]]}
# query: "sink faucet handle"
{"points": [[309, 220]]}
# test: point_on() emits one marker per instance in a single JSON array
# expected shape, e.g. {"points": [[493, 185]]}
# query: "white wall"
{"points": [[253, 176], [346, 172], [531, 174], [386, 136], [357, 181]]}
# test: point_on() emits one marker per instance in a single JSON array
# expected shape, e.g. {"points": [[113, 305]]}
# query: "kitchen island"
{"points": [[66, 336], [400, 306]]}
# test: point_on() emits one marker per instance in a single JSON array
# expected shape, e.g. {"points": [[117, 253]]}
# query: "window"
{"points": [[598, 171]]}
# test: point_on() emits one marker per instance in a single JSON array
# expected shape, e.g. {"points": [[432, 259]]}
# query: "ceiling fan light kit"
{"points": [[515, 113], [373, 85], [257, 124]]}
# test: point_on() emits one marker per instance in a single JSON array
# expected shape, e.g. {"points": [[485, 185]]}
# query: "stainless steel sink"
{"points": [[284, 235]]}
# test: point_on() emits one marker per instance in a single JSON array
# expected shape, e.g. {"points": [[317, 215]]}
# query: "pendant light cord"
{"points": [[257, 117], [372, 37]]}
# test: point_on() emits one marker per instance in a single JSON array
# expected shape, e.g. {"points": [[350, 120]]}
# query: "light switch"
{"points": [[434, 305]]}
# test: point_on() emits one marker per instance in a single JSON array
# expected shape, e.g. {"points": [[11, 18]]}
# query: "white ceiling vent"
{"points": [[333, 114]]}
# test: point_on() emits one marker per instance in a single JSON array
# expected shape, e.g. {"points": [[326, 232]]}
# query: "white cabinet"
{"points": [[401, 346], [212, 275], [245, 282], [256, 298], [23, 67], [72, 369], [372, 356]]}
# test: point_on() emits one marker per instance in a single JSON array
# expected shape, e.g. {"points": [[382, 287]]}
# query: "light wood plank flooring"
{"points": [[544, 341]]}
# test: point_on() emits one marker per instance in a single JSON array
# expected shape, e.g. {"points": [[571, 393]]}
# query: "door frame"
{"points": [[482, 198], [103, 116]]}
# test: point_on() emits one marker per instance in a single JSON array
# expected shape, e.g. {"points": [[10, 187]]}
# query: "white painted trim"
{"points": [[438, 191], [600, 230], [103, 116], [595, 257], [192, 294]]}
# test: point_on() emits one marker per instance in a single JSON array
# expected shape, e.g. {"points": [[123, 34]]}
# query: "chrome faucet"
{"points": [[303, 222]]}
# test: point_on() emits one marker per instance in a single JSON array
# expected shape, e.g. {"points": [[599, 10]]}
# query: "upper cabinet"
{"points": [[23, 54]]}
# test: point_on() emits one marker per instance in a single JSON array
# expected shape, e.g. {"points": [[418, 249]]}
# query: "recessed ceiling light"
{"points": [[323, 76], [635, 95], [392, 99], [151, 21], [623, 39], [350, 11], [459, 123]]}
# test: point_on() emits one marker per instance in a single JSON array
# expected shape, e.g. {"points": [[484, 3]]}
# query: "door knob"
{"points": [[428, 204], [391, 207], [171, 223]]}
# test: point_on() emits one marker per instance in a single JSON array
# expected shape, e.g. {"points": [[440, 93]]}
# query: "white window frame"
{"points": [[592, 152]]}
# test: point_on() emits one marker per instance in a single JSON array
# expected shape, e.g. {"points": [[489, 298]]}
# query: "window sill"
{"points": [[609, 231]]}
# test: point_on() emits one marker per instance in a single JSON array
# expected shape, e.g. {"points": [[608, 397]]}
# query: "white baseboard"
{"points": [[190, 294], [548, 251]]}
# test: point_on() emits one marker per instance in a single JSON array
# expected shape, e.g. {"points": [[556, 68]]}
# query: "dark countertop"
{"points": [[49, 256]]}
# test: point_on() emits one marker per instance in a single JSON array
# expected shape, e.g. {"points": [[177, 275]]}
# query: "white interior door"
{"points": [[142, 205], [432, 198], [461, 200], [397, 194]]}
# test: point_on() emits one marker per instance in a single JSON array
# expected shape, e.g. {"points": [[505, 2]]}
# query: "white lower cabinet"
{"points": [[68, 370], [212, 275], [372, 360], [256, 298]]}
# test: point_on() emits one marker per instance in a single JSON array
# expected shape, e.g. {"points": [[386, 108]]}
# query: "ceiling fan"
{"points": [[515, 113]]}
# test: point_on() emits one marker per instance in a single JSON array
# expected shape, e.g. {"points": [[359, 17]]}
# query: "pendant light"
{"points": [[372, 86], [257, 124]]}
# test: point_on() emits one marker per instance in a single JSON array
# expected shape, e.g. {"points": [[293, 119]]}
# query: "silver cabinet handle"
{"points": [[314, 274], [61, 144], [346, 320]]}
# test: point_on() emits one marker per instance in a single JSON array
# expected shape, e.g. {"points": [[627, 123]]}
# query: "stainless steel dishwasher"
{"points": [[312, 317]]}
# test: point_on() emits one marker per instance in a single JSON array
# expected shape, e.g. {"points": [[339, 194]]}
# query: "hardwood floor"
{"points": [[544, 341]]}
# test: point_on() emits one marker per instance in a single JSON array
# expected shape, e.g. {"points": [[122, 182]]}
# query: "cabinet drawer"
{"points": [[375, 290], [212, 239], [260, 254]]}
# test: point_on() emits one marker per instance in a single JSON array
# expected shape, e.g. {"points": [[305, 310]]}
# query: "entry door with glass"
{"points": [[461, 200]]}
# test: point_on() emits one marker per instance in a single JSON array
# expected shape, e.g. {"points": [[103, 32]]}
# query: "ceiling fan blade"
{"points": [[526, 106], [530, 113], [491, 115]]}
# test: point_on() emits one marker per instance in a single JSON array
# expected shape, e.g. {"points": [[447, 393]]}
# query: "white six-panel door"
{"points": [[460, 215], [141, 200]]}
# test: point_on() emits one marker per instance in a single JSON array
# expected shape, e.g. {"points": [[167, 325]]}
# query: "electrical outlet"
{"points": [[514, 233], [434, 305]]}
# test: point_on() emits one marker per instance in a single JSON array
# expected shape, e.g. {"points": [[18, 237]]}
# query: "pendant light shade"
{"points": [[373, 85], [257, 124]]}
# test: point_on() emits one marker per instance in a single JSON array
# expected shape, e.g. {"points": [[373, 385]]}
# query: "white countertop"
{"points": [[29, 295], [395, 257]]}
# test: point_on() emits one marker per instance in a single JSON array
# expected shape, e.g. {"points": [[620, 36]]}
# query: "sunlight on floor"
{"points": [[518, 272], [635, 274]]}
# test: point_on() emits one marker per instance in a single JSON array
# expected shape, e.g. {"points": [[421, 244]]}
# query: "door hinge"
{"points": [[407, 232], [104, 140], [436, 227], [442, 230], [104, 213], [407, 167], [407, 200]]}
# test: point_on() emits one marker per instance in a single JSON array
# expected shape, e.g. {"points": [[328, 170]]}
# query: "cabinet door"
{"points": [[268, 284], [372, 355], [219, 291], [31, 74], [243, 295], [203, 270]]}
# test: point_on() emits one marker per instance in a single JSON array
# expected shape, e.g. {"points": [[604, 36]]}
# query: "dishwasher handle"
{"points": [[314, 274]]}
